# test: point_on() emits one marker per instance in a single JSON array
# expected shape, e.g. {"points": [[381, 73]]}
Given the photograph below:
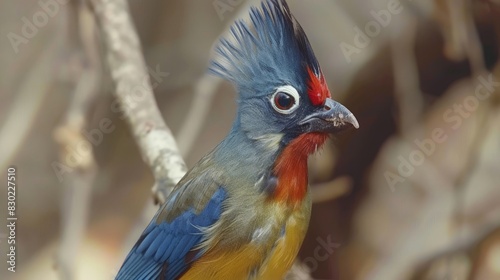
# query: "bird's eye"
{"points": [[285, 99]]}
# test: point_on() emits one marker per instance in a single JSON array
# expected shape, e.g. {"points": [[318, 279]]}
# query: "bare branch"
{"points": [[406, 78], [299, 272], [461, 37], [78, 184], [331, 190], [25, 108], [135, 95], [205, 91]]}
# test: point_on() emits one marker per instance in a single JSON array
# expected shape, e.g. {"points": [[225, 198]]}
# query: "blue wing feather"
{"points": [[164, 246]]}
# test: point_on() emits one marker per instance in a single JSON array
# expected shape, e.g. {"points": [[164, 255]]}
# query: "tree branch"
{"points": [[76, 198], [135, 95]]}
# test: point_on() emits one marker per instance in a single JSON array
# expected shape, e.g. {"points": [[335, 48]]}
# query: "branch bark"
{"points": [[134, 94]]}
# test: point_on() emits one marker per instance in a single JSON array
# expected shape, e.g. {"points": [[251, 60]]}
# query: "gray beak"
{"points": [[334, 117]]}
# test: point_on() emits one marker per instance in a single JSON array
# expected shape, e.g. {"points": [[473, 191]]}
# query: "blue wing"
{"points": [[165, 249]]}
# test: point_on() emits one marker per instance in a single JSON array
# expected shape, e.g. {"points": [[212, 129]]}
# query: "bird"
{"points": [[243, 210]]}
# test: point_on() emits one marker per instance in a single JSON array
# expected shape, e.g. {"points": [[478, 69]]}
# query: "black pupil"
{"points": [[284, 101]]}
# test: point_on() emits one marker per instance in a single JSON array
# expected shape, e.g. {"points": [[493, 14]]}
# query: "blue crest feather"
{"points": [[272, 48]]}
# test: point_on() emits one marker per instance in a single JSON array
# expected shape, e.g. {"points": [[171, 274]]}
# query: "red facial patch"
{"points": [[318, 90], [291, 167]]}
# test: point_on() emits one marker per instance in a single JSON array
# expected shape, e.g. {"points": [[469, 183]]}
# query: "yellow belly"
{"points": [[282, 257], [230, 265], [254, 262]]}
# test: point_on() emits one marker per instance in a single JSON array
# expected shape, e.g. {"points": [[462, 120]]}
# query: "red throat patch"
{"points": [[318, 91], [291, 167]]}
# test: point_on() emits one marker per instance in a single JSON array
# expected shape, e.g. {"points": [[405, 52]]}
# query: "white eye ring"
{"points": [[291, 91]]}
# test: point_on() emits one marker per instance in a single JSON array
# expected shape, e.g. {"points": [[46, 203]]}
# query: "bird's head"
{"points": [[283, 94], [285, 105]]}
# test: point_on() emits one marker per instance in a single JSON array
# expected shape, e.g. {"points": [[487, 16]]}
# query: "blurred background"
{"points": [[413, 194]]}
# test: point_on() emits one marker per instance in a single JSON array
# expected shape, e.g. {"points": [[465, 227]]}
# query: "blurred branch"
{"points": [[135, 95], [462, 40], [483, 125], [25, 108], [486, 258], [299, 271], [469, 246], [205, 90], [442, 215], [331, 190], [78, 184], [462, 22], [406, 77]]}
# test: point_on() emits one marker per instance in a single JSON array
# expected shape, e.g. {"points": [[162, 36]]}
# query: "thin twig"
{"points": [[25, 108], [331, 190], [205, 90], [462, 23], [406, 77], [462, 41], [78, 184], [299, 271]]}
